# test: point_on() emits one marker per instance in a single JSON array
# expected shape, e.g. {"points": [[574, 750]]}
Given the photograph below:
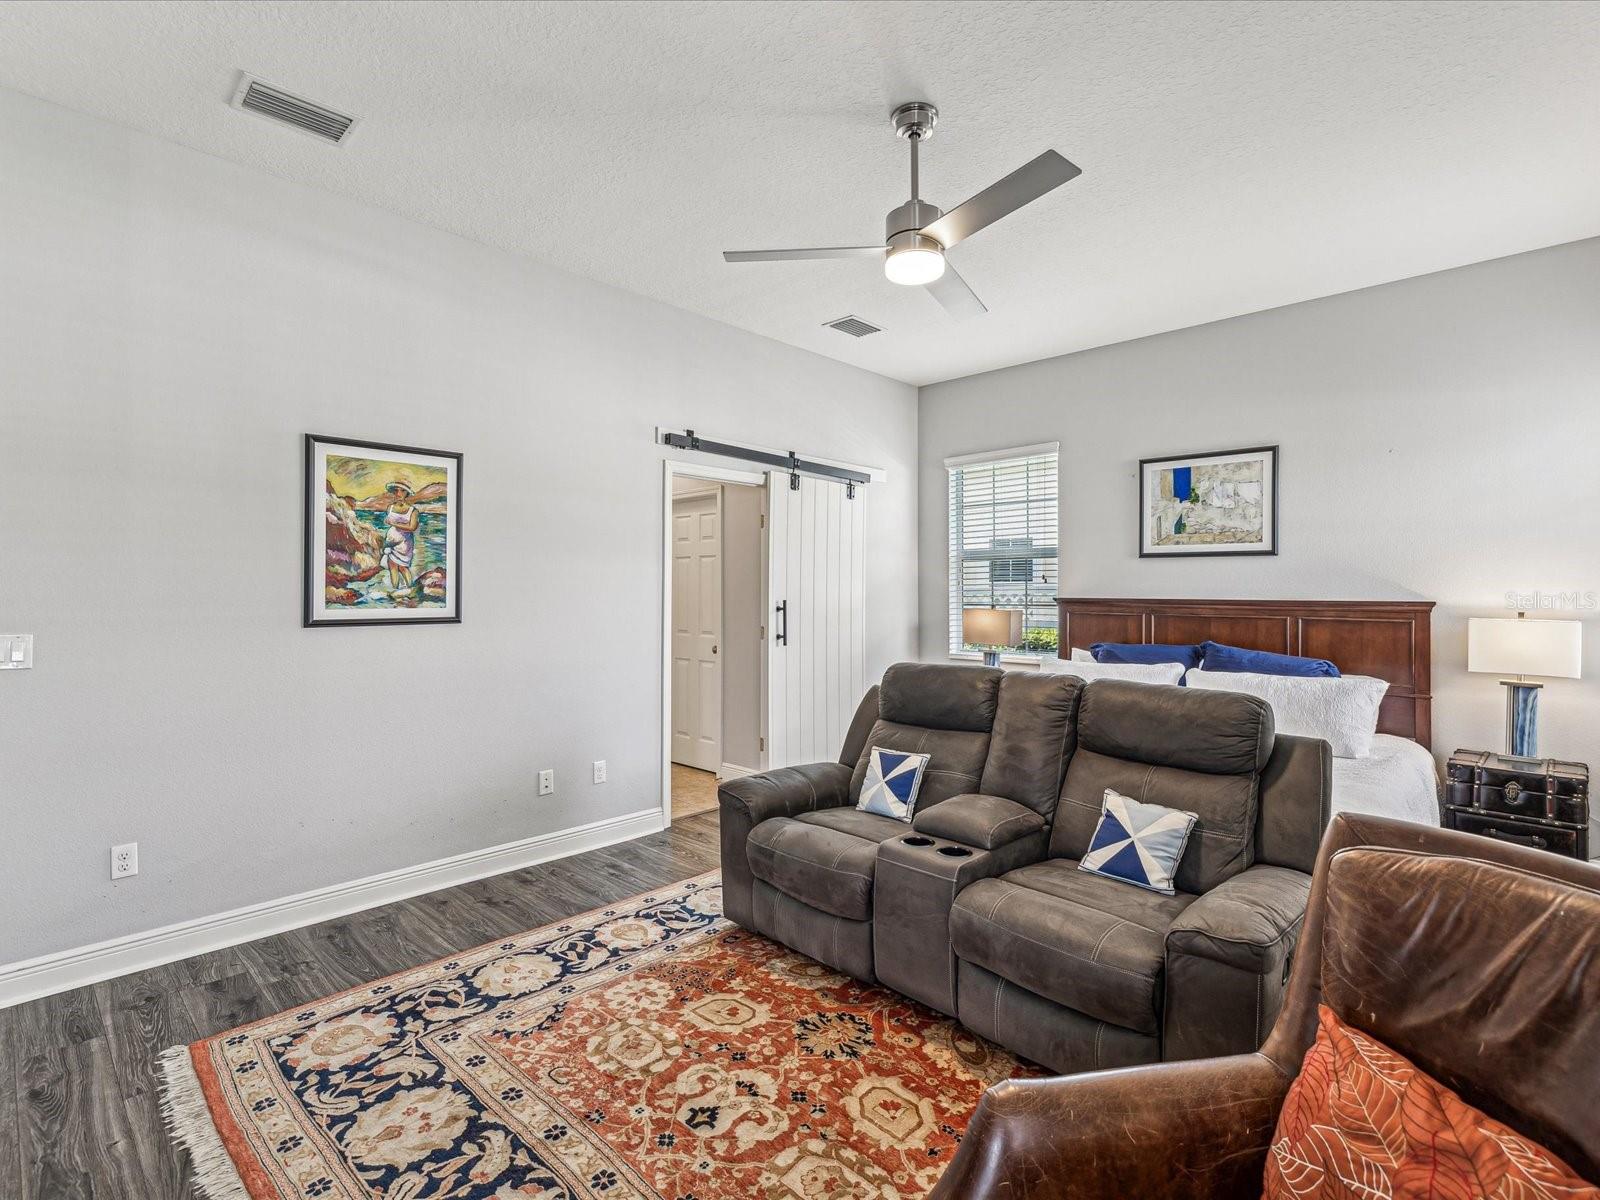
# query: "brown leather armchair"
{"points": [[1479, 961]]}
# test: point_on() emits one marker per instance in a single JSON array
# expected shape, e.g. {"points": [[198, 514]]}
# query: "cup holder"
{"points": [[917, 841], [955, 851]]}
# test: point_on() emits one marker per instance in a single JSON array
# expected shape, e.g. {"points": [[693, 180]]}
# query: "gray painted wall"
{"points": [[1439, 439], [170, 325], [741, 625]]}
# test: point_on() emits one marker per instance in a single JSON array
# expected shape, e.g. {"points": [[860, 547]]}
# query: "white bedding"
{"points": [[1398, 779]]}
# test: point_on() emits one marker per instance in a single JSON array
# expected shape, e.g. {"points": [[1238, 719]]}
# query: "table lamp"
{"points": [[1520, 647], [991, 628]]}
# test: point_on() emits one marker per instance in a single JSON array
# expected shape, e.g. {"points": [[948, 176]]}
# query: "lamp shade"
{"points": [[991, 626], [1514, 646]]}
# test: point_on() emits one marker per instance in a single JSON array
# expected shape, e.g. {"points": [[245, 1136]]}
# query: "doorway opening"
{"points": [[715, 627], [763, 624]]}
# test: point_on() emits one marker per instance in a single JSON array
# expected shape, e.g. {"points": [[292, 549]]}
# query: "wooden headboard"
{"points": [[1388, 639]]}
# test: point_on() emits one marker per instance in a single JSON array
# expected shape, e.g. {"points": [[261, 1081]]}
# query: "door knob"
{"points": [[713, 649]]}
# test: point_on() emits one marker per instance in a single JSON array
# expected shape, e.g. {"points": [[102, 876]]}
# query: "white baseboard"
{"points": [[734, 771], [68, 969]]}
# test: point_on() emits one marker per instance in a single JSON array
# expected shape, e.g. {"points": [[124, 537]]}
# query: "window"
{"points": [[1003, 541]]}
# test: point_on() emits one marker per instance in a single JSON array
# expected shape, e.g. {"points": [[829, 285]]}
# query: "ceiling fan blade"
{"points": [[959, 300], [1023, 186], [810, 252]]}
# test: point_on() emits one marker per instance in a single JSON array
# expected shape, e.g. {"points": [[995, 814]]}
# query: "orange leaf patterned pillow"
{"points": [[1363, 1123]]}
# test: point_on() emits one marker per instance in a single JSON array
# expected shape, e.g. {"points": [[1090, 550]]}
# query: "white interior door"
{"points": [[816, 641], [697, 631]]}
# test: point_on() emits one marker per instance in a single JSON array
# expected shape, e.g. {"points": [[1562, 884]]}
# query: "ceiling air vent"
{"points": [[854, 326], [253, 95]]}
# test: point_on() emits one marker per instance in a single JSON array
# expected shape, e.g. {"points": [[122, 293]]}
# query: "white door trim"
{"points": [[672, 468]]}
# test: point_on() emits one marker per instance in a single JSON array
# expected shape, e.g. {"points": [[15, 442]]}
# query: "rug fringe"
{"points": [[188, 1120]]}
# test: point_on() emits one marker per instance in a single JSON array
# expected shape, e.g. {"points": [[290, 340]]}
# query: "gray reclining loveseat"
{"points": [[978, 909]]}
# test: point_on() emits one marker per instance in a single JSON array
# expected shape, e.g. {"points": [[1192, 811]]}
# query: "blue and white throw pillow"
{"points": [[893, 780], [1138, 843]]}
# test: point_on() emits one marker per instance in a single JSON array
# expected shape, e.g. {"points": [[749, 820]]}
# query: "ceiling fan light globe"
{"points": [[913, 266]]}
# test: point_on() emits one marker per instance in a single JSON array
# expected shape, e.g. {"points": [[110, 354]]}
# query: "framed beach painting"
{"points": [[383, 534], [1209, 504]]}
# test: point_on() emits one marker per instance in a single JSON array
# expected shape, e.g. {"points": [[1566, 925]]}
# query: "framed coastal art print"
{"points": [[1209, 504], [383, 534]]}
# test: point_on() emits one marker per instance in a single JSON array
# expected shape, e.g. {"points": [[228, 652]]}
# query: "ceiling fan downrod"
{"points": [[902, 229], [915, 122]]}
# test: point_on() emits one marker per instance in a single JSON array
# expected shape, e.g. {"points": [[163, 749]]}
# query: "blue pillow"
{"points": [[893, 780], [1138, 843], [1133, 652], [1263, 662]]}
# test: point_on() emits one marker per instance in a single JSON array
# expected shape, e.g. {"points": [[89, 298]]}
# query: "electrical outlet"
{"points": [[600, 770], [547, 782], [125, 860]]}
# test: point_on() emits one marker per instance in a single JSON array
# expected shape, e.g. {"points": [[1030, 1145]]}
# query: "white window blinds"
{"points": [[1003, 541]]}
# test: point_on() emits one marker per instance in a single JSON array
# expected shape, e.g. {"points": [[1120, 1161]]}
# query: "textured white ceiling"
{"points": [[1236, 156]]}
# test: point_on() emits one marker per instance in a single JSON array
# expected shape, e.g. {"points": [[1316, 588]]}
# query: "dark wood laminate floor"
{"points": [[79, 1111]]}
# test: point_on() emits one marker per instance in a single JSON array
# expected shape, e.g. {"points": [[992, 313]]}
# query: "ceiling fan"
{"points": [[917, 234]]}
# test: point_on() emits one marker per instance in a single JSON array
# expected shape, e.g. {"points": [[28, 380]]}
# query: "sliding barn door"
{"points": [[816, 612]]}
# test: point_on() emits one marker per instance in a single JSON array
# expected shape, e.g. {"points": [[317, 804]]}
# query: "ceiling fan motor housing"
{"points": [[905, 221]]}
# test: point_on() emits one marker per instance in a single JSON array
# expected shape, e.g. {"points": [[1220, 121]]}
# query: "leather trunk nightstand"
{"points": [[1537, 802]]}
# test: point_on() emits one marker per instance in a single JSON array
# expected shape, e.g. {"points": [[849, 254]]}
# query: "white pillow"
{"points": [[1081, 655], [1343, 711], [1134, 672]]}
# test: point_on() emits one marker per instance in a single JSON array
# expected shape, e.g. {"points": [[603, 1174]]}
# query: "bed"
{"points": [[1390, 640], [1398, 779]]}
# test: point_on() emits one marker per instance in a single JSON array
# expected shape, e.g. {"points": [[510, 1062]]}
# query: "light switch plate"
{"points": [[16, 651]]}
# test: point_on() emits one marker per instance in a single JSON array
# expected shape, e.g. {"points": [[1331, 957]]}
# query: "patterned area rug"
{"points": [[649, 1050]]}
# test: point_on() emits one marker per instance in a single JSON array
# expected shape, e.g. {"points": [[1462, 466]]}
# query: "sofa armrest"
{"points": [[1172, 1131], [1296, 801], [1228, 958], [751, 799], [1250, 921], [987, 822], [787, 791]]}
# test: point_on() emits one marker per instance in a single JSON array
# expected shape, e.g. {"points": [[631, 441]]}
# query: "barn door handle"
{"points": [[782, 637]]}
